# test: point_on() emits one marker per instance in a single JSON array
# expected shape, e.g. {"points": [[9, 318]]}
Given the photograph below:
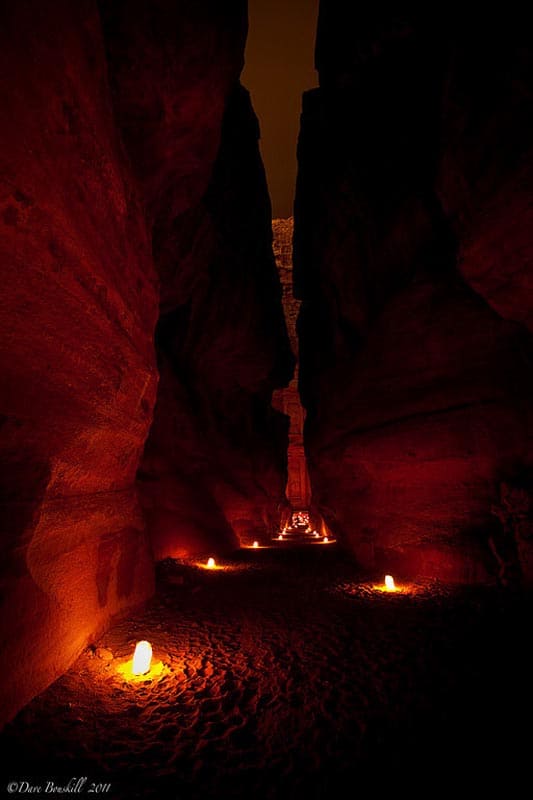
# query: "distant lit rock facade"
{"points": [[288, 400]]}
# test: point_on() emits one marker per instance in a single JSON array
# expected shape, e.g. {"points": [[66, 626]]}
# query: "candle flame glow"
{"points": [[390, 586], [256, 544], [280, 536], [142, 658], [211, 563]]}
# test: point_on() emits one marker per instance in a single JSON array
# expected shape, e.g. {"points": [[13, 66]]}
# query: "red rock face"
{"points": [[110, 210], [79, 305], [172, 67], [223, 348], [288, 400], [485, 170], [412, 258], [215, 462]]}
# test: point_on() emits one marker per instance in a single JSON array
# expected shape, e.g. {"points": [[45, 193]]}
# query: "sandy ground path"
{"points": [[286, 676]]}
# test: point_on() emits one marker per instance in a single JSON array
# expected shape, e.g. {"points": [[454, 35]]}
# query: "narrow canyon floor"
{"points": [[286, 675]]}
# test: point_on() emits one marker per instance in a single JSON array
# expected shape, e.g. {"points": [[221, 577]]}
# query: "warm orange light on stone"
{"points": [[390, 586], [211, 563], [142, 658]]}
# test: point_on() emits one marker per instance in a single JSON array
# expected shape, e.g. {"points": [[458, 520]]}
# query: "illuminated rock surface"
{"points": [[116, 206], [142, 338], [413, 259], [288, 399], [79, 305]]}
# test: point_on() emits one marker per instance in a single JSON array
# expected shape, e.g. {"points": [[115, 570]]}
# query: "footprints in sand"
{"points": [[270, 673]]}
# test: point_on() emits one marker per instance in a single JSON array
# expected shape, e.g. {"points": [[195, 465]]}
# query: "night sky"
{"points": [[279, 67]]}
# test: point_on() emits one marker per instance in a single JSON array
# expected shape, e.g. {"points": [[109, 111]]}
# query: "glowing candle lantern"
{"points": [[280, 537], [211, 563], [326, 540], [256, 545], [142, 658], [390, 586]]}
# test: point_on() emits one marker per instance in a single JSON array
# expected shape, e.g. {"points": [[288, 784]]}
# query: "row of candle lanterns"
{"points": [[142, 656], [315, 534]]}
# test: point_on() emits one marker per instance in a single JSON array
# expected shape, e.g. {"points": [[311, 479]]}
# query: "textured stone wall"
{"points": [[214, 470], [78, 309], [215, 462], [116, 207], [413, 261]]}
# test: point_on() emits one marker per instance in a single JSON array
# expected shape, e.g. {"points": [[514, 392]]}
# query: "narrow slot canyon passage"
{"points": [[266, 408], [298, 524], [287, 399]]}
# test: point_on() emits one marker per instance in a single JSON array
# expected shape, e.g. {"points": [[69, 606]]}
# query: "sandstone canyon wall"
{"points": [[215, 466], [413, 261], [111, 123], [215, 462], [79, 304]]}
